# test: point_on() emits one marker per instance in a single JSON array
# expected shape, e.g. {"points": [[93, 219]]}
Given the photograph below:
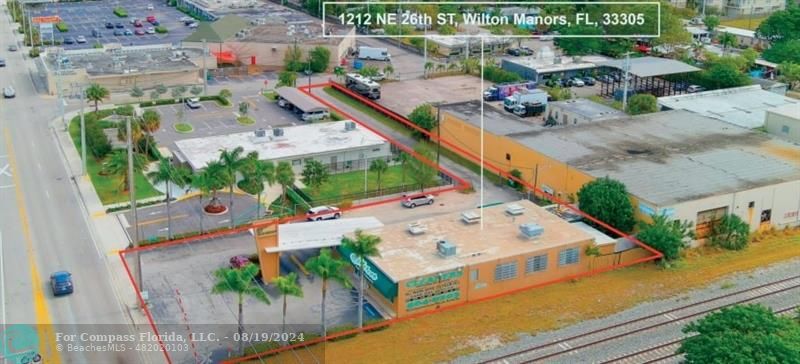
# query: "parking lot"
{"points": [[82, 17], [212, 119]]}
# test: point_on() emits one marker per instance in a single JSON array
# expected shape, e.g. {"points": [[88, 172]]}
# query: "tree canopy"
{"points": [[781, 25], [730, 233], [742, 334], [424, 117], [786, 51], [642, 104], [667, 236], [319, 58], [607, 200]]}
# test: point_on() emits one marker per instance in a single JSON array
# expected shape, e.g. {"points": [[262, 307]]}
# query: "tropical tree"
{"points": [[257, 172], [327, 267], [427, 68], [711, 22], [196, 90], [607, 200], [742, 334], [379, 166], [168, 174], [154, 95], [287, 286], [319, 58], [241, 282], [177, 92], [422, 173], [232, 161], [161, 89], [207, 182], [137, 92], [592, 251], [96, 94], [117, 165], [440, 67], [727, 40], [368, 71], [315, 174], [340, 72], [730, 233], [151, 121], [388, 70], [642, 104], [287, 78], [219, 179], [424, 117], [284, 175], [136, 133], [244, 107], [404, 159], [363, 246], [667, 236]]}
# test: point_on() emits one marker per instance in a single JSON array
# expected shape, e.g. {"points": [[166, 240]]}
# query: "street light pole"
{"points": [[205, 70], [83, 134], [625, 80], [132, 190]]}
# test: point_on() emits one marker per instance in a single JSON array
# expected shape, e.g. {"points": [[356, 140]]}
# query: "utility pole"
{"points": [[83, 134], [205, 70], [704, 8], [482, 130], [625, 80], [59, 90], [438, 132], [132, 190]]}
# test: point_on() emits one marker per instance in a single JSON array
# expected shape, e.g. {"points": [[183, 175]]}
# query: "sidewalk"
{"points": [[106, 231]]}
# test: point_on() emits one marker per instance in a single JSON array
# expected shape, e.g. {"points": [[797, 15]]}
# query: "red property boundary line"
{"points": [[462, 184]]}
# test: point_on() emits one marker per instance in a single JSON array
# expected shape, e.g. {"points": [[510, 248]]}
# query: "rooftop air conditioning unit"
{"points": [[470, 217], [445, 248], [260, 133], [277, 132], [515, 209], [349, 126], [531, 230], [259, 136]]}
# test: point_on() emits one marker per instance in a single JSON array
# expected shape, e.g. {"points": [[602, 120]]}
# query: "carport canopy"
{"points": [[651, 66], [319, 234], [300, 100]]}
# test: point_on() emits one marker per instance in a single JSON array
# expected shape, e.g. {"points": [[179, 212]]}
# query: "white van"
{"points": [[315, 115]]}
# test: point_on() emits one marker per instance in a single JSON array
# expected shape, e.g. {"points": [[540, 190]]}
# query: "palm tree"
{"points": [[136, 133], [206, 181], [364, 245], [327, 267], [97, 94], [726, 40], [257, 172], [452, 66], [218, 178], [440, 67], [137, 93], [284, 174], [168, 174], [388, 70], [427, 68], [404, 159], [151, 121], [379, 166], [287, 286], [117, 165], [241, 282], [232, 161]]}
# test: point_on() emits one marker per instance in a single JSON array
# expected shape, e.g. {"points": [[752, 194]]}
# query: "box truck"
{"points": [[379, 54], [502, 90], [527, 109], [523, 97]]}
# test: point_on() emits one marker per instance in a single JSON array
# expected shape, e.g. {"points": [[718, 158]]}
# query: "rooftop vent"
{"points": [[531, 230], [417, 228], [349, 126], [445, 248], [277, 132], [259, 136], [470, 217], [260, 133], [515, 209]]}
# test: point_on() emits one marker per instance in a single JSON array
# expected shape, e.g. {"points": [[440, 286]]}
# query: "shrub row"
{"points": [[62, 27]]}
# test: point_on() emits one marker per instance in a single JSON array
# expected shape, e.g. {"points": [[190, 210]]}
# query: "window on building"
{"points": [[295, 162], [508, 157], [785, 129], [376, 149], [536, 264], [505, 271], [568, 256], [473, 275]]}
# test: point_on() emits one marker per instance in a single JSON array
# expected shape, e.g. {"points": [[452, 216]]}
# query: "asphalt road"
{"points": [[43, 227]]}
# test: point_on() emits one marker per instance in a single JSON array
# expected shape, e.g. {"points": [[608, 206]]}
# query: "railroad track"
{"points": [[665, 352], [639, 325]]}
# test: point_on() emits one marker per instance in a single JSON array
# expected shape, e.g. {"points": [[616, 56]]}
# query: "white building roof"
{"points": [[600, 238], [544, 64], [788, 110], [296, 142], [736, 31], [456, 41], [742, 106], [651, 66], [319, 234]]}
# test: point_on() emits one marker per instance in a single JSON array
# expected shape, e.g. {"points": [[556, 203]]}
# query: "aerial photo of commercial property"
{"points": [[263, 181]]}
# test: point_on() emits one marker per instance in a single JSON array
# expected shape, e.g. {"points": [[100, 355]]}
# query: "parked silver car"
{"points": [[412, 201], [9, 92]]}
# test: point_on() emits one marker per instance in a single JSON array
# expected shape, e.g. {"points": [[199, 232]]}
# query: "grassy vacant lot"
{"points": [[744, 23], [349, 183], [108, 187], [446, 335], [383, 119]]}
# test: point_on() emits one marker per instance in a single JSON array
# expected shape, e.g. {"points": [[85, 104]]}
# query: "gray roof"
{"points": [[299, 99], [589, 109], [743, 106], [669, 157], [495, 121], [218, 31], [651, 66]]}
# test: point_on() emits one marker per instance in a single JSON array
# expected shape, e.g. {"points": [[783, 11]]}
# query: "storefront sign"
{"points": [[444, 297], [444, 276], [379, 280]]}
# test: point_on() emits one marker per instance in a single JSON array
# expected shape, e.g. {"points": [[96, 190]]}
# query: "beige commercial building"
{"points": [[119, 68], [784, 122]]}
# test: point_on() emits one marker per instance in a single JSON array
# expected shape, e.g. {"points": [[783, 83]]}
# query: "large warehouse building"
{"points": [[677, 163], [449, 259]]}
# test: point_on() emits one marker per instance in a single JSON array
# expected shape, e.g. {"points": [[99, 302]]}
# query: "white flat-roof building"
{"points": [[341, 145], [580, 111], [454, 46], [784, 121], [546, 63], [744, 37], [743, 106]]}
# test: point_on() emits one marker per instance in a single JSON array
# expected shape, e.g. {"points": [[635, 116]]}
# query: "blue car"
{"points": [[61, 282]]}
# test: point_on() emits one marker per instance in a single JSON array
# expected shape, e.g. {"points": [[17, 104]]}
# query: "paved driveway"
{"points": [[82, 17]]}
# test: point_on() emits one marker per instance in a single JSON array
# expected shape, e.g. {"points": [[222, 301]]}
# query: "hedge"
{"points": [[161, 29], [120, 12], [62, 27], [221, 100]]}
